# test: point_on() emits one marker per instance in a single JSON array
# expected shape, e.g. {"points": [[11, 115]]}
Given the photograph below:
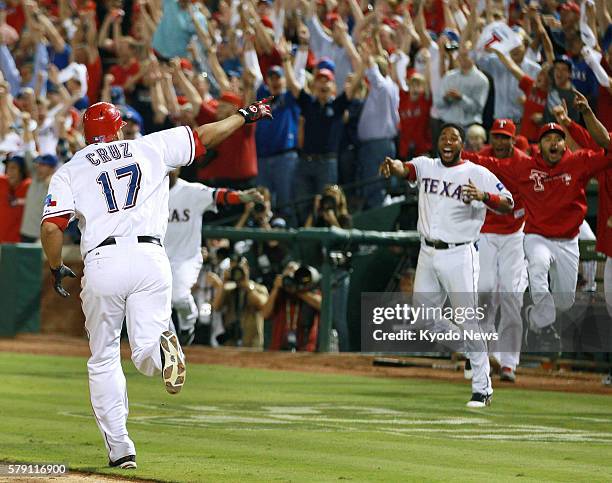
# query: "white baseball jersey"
{"points": [[442, 213], [187, 204], [120, 188]]}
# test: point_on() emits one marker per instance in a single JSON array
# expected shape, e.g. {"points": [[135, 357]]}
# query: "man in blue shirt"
{"points": [[175, 30], [276, 141]]}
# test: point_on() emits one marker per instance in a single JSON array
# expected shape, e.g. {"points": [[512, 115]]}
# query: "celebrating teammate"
{"points": [[503, 276], [118, 190], [552, 186], [187, 203], [453, 197]]}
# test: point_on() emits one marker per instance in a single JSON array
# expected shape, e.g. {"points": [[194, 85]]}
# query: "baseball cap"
{"points": [[504, 126], [117, 95], [563, 59], [326, 63], [276, 70], [328, 74], [451, 35], [267, 22], [570, 7], [551, 127], [47, 159]]}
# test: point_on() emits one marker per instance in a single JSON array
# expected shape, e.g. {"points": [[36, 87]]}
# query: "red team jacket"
{"points": [[604, 209], [511, 222], [554, 196]]}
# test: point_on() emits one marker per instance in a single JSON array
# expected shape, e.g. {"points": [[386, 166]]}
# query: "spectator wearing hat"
{"points": [[377, 126], [569, 16], [464, 92], [583, 77], [14, 186], [562, 90], [276, 141], [338, 47], [604, 99], [322, 112], [44, 167]]}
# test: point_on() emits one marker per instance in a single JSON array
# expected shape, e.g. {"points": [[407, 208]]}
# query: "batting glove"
{"points": [[256, 111], [58, 275]]}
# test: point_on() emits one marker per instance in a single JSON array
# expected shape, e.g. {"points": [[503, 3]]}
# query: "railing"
{"points": [[329, 238]]}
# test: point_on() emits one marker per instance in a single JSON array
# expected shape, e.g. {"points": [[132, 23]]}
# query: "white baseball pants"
{"points": [[502, 281], [128, 280], [184, 277], [557, 259], [453, 273]]}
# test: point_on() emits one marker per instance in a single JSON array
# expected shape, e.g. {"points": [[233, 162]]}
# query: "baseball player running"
{"points": [[453, 197], [503, 273], [118, 190], [552, 186], [186, 205]]}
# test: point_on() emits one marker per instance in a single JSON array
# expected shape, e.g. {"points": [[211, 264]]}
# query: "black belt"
{"points": [[440, 245], [141, 239]]}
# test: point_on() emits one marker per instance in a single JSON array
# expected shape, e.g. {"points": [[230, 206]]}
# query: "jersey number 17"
{"points": [[133, 172]]}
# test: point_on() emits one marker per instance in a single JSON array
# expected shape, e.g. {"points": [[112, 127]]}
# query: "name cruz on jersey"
{"points": [[111, 152]]}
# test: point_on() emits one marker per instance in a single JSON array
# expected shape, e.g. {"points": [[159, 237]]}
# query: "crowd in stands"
{"points": [[353, 81]]}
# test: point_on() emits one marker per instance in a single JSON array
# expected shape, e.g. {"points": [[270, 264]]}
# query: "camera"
{"points": [[328, 202], [259, 207], [304, 279]]}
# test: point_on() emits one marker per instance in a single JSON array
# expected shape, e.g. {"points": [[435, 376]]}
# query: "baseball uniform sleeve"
{"points": [[59, 200], [176, 146], [204, 198], [593, 162], [492, 185], [420, 163]]}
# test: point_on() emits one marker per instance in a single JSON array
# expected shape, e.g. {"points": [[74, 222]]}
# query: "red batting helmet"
{"points": [[101, 121]]}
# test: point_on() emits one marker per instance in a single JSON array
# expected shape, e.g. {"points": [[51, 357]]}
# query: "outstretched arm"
{"points": [[215, 132]]}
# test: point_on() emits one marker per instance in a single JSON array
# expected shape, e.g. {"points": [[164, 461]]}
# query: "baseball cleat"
{"points": [[125, 463], [479, 400], [507, 374], [467, 370], [545, 339], [173, 362]]}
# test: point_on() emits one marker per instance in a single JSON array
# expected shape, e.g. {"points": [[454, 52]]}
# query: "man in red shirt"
{"points": [[233, 163], [414, 107], [503, 275], [13, 189], [552, 186]]}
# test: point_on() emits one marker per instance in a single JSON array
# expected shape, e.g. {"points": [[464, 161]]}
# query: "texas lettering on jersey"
{"points": [[179, 215], [541, 177], [446, 188]]}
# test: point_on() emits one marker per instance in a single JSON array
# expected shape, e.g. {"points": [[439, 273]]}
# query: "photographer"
{"points": [[241, 300], [266, 258], [294, 307], [330, 209]]}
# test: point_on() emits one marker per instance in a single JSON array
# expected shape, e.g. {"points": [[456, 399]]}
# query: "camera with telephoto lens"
{"points": [[328, 202], [305, 278], [259, 207]]}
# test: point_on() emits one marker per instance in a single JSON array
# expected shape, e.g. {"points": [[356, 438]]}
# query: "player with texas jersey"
{"points": [[187, 203], [552, 186], [118, 190], [453, 198]]}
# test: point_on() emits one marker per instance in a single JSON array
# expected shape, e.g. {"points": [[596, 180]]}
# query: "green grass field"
{"points": [[233, 424]]}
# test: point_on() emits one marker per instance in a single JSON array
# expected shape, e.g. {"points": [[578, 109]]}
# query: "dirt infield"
{"points": [[356, 364], [74, 477]]}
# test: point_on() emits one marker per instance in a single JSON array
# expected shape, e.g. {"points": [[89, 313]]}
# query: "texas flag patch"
{"points": [[49, 201]]}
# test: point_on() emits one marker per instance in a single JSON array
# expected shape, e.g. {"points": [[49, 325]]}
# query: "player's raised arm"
{"points": [[395, 167], [215, 132]]}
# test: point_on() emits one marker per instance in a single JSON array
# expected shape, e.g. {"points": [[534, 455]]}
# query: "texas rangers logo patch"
{"points": [[541, 177], [49, 201]]}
